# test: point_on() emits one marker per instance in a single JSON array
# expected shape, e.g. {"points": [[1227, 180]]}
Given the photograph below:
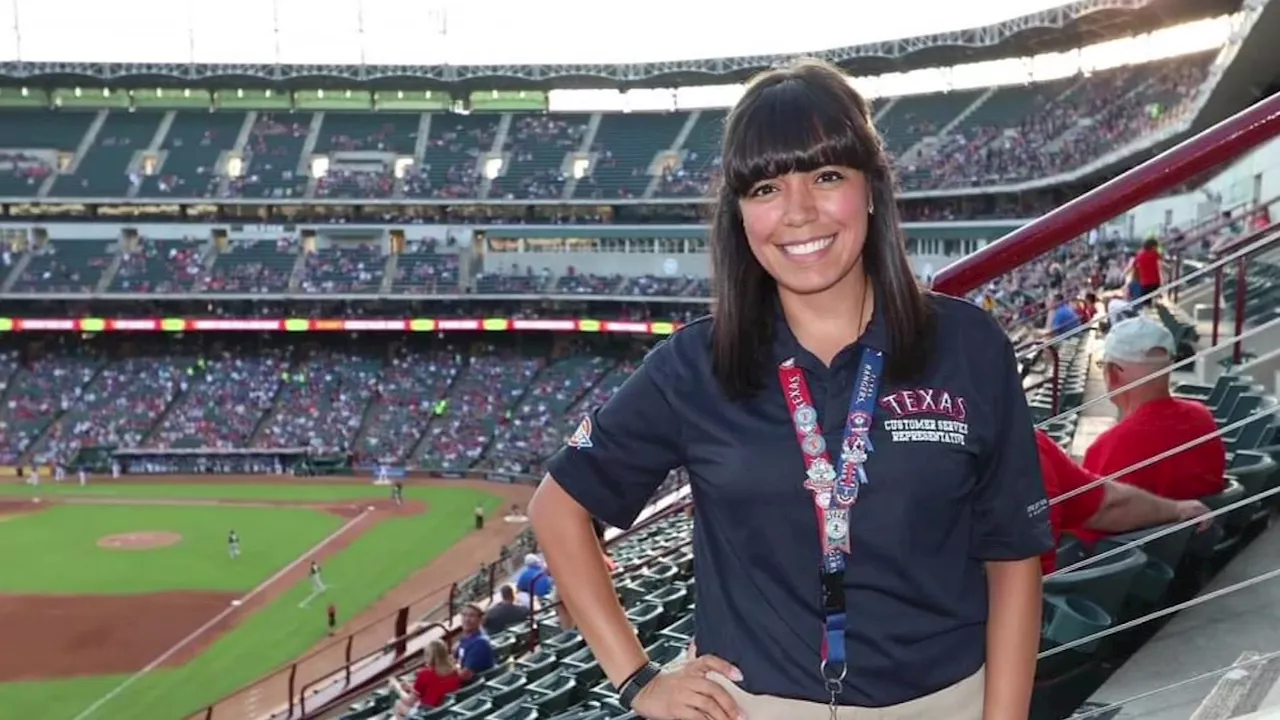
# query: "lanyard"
{"points": [[834, 489]]}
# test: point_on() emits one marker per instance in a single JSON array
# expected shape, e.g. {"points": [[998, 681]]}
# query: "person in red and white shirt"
{"points": [[438, 678], [1110, 507], [1152, 422], [1146, 267]]}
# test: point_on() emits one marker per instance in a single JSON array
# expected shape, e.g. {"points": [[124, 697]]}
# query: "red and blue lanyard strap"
{"points": [[835, 490]]}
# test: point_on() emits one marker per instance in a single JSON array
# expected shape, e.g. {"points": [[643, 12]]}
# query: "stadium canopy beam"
{"points": [[900, 50], [1211, 148]]}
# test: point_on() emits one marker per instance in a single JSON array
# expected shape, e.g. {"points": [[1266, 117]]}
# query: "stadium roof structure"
{"points": [[1058, 29]]}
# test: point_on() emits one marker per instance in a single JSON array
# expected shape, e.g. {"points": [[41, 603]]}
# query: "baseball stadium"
{"points": [[296, 305]]}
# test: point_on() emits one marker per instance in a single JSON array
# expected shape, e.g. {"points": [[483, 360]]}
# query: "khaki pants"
{"points": [[962, 701]]}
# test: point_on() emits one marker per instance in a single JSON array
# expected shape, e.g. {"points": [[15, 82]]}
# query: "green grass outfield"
{"points": [[55, 550], [376, 562]]}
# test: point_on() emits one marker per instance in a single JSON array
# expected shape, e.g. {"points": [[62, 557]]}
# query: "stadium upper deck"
{"points": [[158, 146]]}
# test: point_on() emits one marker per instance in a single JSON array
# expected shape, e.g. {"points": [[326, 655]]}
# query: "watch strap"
{"points": [[632, 686]]}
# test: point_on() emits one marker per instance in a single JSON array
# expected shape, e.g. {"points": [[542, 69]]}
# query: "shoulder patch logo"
{"points": [[581, 438]]}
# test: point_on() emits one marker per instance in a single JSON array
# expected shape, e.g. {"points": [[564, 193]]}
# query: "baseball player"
{"points": [[84, 476], [317, 583], [59, 472], [233, 544], [397, 491], [384, 474]]}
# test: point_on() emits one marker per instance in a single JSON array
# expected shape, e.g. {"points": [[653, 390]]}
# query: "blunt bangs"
{"points": [[795, 124]]}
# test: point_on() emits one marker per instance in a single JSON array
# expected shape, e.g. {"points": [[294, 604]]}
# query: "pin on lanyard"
{"points": [[834, 489]]}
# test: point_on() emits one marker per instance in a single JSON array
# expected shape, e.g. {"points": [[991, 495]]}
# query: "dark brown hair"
{"points": [[797, 119]]}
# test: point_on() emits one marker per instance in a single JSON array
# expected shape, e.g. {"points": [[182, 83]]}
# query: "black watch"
{"points": [[632, 686]]}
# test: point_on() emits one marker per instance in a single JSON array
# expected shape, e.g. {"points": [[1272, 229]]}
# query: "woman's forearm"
{"points": [[573, 556], [1015, 592]]}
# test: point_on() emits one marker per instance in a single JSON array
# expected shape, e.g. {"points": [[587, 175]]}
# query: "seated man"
{"points": [[474, 652], [534, 581], [505, 613], [1112, 507], [1152, 422]]}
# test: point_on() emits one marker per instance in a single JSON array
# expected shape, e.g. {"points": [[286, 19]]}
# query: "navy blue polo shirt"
{"points": [[953, 481]]}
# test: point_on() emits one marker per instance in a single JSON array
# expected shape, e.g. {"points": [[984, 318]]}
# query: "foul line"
{"points": [[307, 600], [217, 618]]}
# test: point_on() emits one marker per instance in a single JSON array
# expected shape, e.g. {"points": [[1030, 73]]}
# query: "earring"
{"points": [[871, 208]]}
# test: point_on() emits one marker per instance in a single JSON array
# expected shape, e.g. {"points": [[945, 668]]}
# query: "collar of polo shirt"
{"points": [[786, 346]]}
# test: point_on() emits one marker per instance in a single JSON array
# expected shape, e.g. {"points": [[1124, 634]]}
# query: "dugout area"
{"points": [[98, 583]]}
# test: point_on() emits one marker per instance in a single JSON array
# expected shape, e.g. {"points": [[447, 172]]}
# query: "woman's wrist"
{"points": [[643, 666], [621, 672]]}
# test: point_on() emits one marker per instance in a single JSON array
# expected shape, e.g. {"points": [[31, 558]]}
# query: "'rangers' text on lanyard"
{"points": [[834, 488]]}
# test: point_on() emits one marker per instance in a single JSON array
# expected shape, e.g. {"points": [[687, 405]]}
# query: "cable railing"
{"points": [[1111, 707], [1249, 500], [1259, 242], [1162, 372], [1254, 244], [1183, 240]]}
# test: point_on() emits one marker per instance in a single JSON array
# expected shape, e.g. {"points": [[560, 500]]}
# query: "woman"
{"points": [[435, 680], [811, 604]]}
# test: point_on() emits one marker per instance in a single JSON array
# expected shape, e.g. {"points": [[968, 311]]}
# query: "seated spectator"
{"points": [[474, 651], [1111, 507], [1087, 307], [437, 678], [1118, 309], [505, 613], [534, 580], [1152, 422], [1062, 316]]}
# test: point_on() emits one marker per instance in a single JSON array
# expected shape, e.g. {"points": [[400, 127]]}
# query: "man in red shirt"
{"points": [[1110, 507], [1151, 422]]}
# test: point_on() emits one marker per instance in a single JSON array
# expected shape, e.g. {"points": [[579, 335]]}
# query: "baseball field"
{"points": [[121, 600]]}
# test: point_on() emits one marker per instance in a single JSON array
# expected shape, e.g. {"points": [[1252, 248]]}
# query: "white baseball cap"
{"points": [[1133, 341]]}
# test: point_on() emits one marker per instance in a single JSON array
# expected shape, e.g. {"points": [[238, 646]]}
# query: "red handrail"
{"points": [[1222, 142]]}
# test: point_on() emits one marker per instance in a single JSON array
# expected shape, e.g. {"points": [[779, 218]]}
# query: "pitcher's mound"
{"points": [[139, 540]]}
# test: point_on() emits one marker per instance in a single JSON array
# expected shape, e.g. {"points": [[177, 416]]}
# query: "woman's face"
{"points": [[808, 228]]}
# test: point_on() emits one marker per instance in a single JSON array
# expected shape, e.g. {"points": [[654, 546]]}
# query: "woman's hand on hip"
{"points": [[686, 693]]}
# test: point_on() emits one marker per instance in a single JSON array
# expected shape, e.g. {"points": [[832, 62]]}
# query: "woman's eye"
{"points": [[761, 190], [829, 176]]}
